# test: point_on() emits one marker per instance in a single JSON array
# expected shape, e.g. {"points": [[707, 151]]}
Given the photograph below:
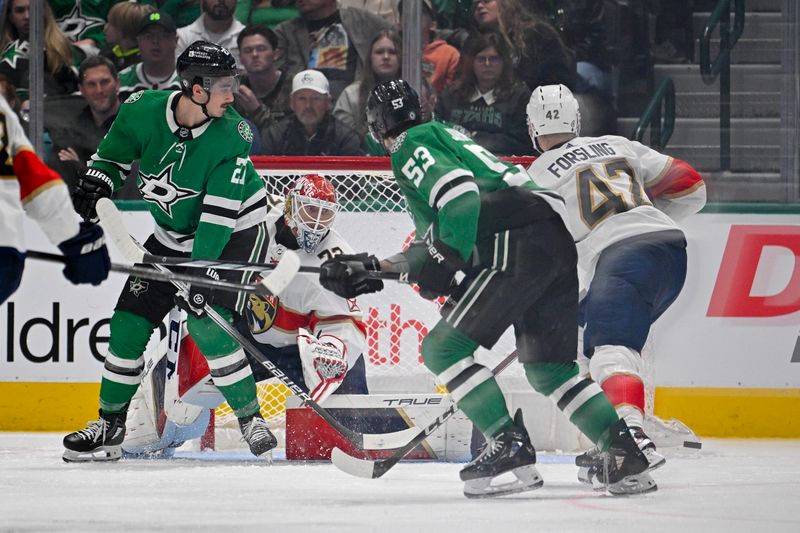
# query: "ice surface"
{"points": [[731, 485]]}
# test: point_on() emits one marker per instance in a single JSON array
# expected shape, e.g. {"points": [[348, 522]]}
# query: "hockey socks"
{"points": [[230, 370], [448, 353], [581, 399], [122, 371]]}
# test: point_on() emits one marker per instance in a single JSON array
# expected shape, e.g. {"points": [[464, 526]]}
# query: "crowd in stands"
{"points": [[307, 66]]}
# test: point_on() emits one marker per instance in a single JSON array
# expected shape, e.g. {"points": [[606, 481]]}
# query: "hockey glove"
{"points": [[197, 298], [86, 255], [92, 186], [439, 267], [324, 363], [345, 275]]}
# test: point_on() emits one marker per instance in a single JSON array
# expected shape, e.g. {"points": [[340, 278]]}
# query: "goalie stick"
{"points": [[276, 282], [373, 469], [149, 273], [116, 230]]}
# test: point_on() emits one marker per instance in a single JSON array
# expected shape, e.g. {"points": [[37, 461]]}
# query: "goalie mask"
{"points": [[392, 108], [310, 209], [552, 109]]}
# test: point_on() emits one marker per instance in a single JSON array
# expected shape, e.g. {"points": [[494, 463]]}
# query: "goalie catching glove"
{"points": [[439, 264], [345, 275], [324, 363]]}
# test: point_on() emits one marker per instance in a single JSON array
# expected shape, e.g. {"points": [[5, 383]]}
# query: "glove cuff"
{"points": [[101, 178], [89, 238], [450, 254]]}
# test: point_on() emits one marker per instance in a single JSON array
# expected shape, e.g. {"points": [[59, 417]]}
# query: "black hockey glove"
{"points": [[345, 275], [195, 302], [86, 255], [440, 265], [92, 186]]}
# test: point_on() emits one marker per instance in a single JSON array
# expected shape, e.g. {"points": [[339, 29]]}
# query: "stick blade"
{"points": [[352, 465], [114, 227], [285, 271], [389, 441]]}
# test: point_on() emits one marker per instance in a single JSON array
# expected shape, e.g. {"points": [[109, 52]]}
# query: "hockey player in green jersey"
{"points": [[208, 202], [487, 220]]}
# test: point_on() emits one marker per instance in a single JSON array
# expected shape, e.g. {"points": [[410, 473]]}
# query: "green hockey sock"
{"points": [[581, 399], [122, 370], [449, 354], [229, 367]]}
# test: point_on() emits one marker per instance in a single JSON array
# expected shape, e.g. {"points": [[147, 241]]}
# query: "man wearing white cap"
{"points": [[311, 129]]}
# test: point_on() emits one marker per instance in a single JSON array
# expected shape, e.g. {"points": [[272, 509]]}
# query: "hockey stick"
{"points": [[373, 469], [278, 280], [115, 228], [149, 273]]}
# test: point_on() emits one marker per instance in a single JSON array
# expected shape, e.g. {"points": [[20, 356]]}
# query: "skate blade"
{"points": [[527, 478], [104, 453], [584, 476], [655, 460], [631, 485]]}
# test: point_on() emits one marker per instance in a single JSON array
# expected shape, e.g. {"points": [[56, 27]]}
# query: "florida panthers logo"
{"points": [[261, 312]]}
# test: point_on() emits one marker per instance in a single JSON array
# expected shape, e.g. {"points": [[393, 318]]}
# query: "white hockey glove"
{"points": [[324, 363]]}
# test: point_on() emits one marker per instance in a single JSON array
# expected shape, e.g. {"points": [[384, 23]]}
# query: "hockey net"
{"points": [[373, 219]]}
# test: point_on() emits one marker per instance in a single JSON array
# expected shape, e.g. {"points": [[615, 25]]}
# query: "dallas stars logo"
{"points": [[75, 22], [14, 51], [160, 190], [138, 286]]}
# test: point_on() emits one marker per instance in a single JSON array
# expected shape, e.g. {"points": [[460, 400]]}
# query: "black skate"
{"points": [[623, 468], [257, 434], [510, 451], [100, 441], [592, 458]]}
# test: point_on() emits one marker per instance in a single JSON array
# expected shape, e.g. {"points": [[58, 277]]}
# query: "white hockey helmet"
{"points": [[552, 109], [310, 209]]}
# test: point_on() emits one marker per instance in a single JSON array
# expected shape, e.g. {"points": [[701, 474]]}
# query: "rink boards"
{"points": [[727, 352]]}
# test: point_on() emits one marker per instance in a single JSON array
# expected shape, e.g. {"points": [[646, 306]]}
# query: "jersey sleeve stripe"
{"points": [[220, 211], [120, 166], [658, 177], [455, 192], [444, 181], [217, 220], [338, 319], [220, 201]]}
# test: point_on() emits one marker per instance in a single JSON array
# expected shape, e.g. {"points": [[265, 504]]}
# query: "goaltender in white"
{"points": [[315, 337]]}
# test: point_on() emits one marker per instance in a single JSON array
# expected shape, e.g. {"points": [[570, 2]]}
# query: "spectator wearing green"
{"points": [[270, 13]]}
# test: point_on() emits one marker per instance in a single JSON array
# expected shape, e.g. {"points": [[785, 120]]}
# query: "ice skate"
{"points": [[510, 451], [257, 435], [593, 458], [101, 440], [623, 468]]}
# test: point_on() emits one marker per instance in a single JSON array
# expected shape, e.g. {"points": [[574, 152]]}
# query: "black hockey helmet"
{"points": [[392, 107], [201, 62]]}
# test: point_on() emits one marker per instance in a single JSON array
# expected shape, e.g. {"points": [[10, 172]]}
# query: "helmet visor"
{"points": [[224, 85]]}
